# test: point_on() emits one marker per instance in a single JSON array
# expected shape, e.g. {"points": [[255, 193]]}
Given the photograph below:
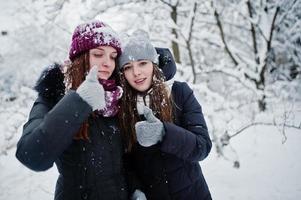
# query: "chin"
{"points": [[103, 77], [142, 89]]}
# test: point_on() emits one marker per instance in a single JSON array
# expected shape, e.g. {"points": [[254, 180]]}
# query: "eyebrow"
{"points": [[127, 64], [99, 48]]}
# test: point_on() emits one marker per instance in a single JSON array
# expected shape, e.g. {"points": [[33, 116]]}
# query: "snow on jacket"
{"points": [[91, 169]]}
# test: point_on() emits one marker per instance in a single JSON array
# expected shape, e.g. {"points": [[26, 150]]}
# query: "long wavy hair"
{"points": [[75, 74], [160, 103]]}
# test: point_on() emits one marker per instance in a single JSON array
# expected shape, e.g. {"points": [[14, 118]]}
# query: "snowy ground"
{"points": [[269, 170]]}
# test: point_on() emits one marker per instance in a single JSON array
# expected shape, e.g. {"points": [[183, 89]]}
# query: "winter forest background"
{"points": [[241, 57]]}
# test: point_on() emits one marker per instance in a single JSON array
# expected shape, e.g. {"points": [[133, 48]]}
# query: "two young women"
{"points": [[74, 124]]}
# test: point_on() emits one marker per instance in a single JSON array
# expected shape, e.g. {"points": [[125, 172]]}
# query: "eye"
{"points": [[126, 67], [97, 54], [143, 63], [113, 57]]}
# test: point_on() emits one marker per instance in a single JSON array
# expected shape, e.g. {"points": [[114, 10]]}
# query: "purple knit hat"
{"points": [[91, 35]]}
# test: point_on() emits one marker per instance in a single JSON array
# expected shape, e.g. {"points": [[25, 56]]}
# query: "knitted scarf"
{"points": [[112, 95]]}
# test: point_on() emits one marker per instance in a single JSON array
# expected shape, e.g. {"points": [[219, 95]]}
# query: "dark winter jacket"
{"points": [[171, 169], [88, 169]]}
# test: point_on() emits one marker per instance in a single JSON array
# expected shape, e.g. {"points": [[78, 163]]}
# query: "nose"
{"points": [[136, 70], [108, 62]]}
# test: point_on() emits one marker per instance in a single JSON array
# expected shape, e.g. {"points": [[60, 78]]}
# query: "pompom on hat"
{"points": [[91, 35]]}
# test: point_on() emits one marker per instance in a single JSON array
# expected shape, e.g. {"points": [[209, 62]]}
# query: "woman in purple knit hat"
{"points": [[73, 122]]}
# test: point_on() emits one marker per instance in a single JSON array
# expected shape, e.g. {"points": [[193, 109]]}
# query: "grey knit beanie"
{"points": [[138, 47]]}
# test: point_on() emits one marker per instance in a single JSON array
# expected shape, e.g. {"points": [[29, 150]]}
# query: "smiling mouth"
{"points": [[140, 81]]}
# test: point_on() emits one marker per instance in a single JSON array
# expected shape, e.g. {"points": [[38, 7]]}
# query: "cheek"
{"points": [[149, 83], [98, 61], [112, 67], [150, 73], [92, 61], [127, 77]]}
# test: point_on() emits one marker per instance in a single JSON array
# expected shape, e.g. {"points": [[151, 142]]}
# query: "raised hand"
{"points": [[150, 131], [92, 91]]}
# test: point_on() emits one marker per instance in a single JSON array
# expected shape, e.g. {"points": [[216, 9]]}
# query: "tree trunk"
{"points": [[262, 104], [175, 46]]}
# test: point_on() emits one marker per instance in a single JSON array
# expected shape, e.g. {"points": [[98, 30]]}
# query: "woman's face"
{"points": [[104, 58], [139, 74]]}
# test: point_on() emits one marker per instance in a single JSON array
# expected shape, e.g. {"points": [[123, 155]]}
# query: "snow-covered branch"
{"points": [[219, 24]]}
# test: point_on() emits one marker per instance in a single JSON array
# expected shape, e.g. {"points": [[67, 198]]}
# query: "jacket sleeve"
{"points": [[132, 178], [48, 132], [189, 140]]}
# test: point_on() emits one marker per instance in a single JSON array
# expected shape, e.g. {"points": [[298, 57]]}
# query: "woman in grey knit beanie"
{"points": [[163, 125]]}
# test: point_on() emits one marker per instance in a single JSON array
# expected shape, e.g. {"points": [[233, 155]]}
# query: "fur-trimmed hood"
{"points": [[50, 84], [166, 63]]}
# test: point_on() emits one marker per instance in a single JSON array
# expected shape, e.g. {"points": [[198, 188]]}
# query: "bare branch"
{"points": [[272, 29], [219, 24], [264, 124], [261, 32], [253, 32], [287, 11], [188, 43], [253, 80], [175, 46], [167, 3], [269, 44]]}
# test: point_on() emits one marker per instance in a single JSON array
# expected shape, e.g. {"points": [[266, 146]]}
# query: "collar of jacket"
{"points": [[144, 100], [50, 84]]}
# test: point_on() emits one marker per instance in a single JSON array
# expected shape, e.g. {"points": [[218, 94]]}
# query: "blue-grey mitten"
{"points": [[150, 131], [138, 195], [92, 91]]}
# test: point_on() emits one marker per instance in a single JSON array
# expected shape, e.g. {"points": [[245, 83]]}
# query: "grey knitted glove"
{"points": [[151, 131], [92, 91], [138, 195]]}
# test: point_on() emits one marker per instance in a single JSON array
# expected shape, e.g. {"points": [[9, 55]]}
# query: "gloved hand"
{"points": [[151, 131], [92, 91], [138, 195]]}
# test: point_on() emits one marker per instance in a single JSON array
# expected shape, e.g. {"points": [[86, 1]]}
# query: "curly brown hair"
{"points": [[75, 74], [160, 103]]}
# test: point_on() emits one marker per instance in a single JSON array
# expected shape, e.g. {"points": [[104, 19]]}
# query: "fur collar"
{"points": [[51, 85]]}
